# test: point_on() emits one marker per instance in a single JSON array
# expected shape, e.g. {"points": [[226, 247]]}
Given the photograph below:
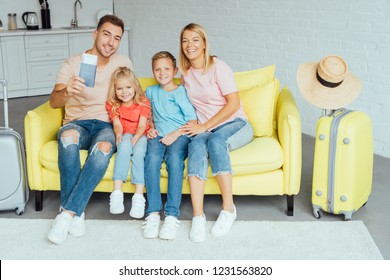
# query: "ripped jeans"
{"points": [[78, 184]]}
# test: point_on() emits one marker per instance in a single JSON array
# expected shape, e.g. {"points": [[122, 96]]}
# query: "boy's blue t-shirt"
{"points": [[171, 110]]}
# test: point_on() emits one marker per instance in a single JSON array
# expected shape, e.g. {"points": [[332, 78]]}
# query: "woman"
{"points": [[222, 127]]}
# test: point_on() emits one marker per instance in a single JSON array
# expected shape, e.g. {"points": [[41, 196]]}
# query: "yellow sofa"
{"points": [[269, 165]]}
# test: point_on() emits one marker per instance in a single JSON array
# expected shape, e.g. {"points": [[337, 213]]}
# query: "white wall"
{"points": [[248, 34], [61, 11]]}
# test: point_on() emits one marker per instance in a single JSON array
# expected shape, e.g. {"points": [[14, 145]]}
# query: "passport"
{"points": [[88, 69]]}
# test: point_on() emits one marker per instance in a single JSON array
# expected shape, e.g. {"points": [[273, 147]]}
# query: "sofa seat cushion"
{"points": [[261, 155]]}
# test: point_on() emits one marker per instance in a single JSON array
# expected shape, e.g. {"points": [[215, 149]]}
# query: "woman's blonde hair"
{"points": [[184, 63], [124, 73]]}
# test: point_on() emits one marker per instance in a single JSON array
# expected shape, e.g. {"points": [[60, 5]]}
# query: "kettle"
{"points": [[30, 19]]}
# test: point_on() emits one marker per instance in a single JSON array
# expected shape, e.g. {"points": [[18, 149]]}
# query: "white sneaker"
{"points": [[198, 229], [224, 223], [151, 225], [78, 228], [60, 228], [116, 202], [137, 206], [169, 228]]}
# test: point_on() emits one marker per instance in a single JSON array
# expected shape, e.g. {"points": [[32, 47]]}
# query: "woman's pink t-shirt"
{"points": [[207, 91]]}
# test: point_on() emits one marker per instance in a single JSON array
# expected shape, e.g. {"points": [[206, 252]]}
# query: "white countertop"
{"points": [[57, 30]]}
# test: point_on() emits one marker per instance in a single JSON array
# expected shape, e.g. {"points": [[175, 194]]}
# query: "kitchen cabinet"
{"points": [[44, 55], [30, 60], [80, 42], [13, 65], [1, 68]]}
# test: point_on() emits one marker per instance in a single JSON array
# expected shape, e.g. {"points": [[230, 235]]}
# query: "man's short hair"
{"points": [[113, 20]]}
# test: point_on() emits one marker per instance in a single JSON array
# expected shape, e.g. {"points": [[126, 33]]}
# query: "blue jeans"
{"points": [[215, 146], [77, 185], [125, 153], [174, 156]]}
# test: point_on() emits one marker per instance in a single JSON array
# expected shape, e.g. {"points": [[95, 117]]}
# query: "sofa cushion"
{"points": [[147, 82], [261, 155], [259, 106], [258, 92], [258, 77]]}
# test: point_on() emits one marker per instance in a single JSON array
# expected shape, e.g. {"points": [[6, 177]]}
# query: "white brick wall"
{"points": [[251, 34]]}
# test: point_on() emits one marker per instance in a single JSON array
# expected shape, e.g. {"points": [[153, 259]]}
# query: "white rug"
{"points": [[118, 239]]}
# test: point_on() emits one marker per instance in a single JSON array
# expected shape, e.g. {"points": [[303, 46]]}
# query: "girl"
{"points": [[129, 111], [222, 126]]}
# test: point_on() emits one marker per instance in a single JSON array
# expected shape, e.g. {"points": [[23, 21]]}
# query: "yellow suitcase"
{"points": [[343, 163]]}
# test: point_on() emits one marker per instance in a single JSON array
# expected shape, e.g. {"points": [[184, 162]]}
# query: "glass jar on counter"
{"points": [[12, 21]]}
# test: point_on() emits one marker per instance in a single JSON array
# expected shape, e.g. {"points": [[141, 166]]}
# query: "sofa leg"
{"points": [[38, 200], [290, 205]]}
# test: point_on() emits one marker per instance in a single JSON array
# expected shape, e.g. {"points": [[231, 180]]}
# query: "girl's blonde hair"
{"points": [[184, 63], [124, 73]]}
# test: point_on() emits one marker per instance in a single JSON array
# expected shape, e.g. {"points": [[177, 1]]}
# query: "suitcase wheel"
{"points": [[19, 211], [347, 216], [317, 213]]}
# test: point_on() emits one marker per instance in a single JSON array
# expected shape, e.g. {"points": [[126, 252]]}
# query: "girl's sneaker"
{"points": [[116, 202], [137, 206]]}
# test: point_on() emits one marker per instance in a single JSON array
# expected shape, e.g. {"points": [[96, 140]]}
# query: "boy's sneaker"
{"points": [[137, 206], [224, 223], [151, 225], [78, 228], [116, 202], [60, 228], [169, 228], [198, 229]]}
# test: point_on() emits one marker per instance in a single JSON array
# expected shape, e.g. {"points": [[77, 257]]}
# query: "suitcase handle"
{"points": [[5, 101]]}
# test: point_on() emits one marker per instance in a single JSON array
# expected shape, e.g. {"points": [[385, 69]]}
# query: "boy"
{"points": [[171, 110]]}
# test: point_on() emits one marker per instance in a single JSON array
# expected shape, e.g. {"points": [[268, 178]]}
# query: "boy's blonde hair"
{"points": [[124, 73], [164, 54], [184, 63]]}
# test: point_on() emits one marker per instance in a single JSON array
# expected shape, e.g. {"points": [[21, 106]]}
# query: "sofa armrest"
{"points": [[289, 132], [40, 126]]}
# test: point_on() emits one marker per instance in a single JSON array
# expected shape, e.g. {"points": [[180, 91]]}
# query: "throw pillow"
{"points": [[257, 77], [258, 91], [147, 82], [259, 106]]}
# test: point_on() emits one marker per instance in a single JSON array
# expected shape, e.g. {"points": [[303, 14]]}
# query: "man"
{"points": [[86, 126]]}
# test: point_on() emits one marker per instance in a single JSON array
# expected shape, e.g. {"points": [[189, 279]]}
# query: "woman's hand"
{"points": [[192, 129]]}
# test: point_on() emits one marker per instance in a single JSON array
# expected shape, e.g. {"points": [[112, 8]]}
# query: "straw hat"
{"points": [[328, 84]]}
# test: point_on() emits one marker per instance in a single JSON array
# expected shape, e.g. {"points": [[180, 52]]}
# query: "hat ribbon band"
{"points": [[326, 83]]}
